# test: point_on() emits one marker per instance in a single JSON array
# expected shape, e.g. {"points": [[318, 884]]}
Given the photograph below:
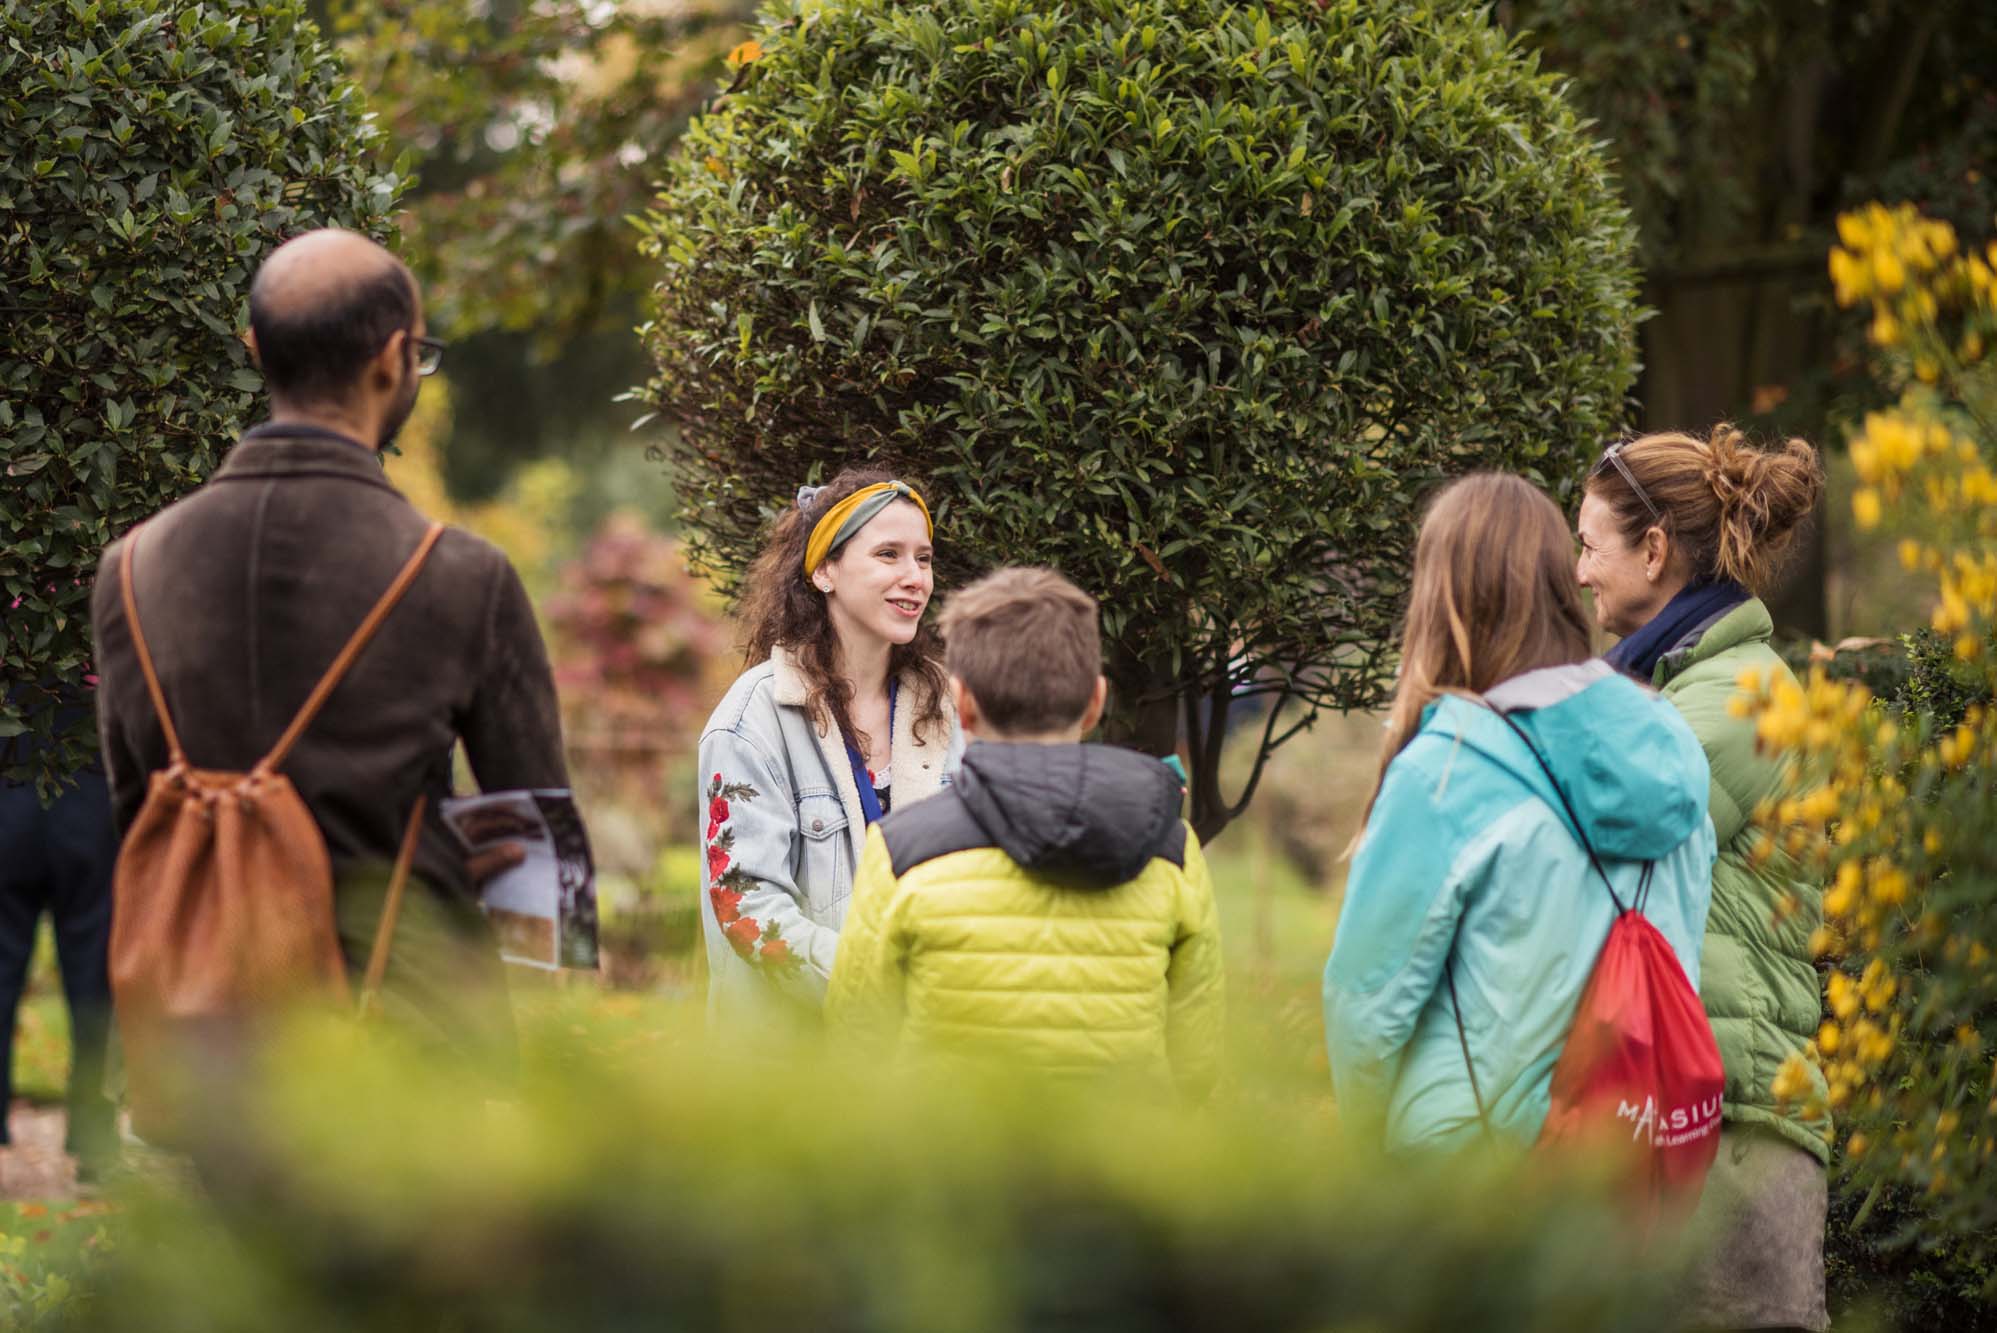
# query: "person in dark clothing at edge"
{"points": [[249, 588], [1050, 909], [58, 860]]}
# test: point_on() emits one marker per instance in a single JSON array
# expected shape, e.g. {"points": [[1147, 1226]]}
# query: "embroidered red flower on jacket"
{"points": [[756, 942], [743, 932]]}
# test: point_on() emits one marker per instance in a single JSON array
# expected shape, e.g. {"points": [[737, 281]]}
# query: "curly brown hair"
{"points": [[783, 610]]}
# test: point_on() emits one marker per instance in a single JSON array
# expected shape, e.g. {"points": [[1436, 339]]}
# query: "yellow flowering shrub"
{"points": [[1891, 807]]}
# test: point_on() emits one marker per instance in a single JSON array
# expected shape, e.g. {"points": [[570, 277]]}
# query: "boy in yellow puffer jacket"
{"points": [[1050, 908]]}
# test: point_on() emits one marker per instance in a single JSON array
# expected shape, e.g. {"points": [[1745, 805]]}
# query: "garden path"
{"points": [[35, 1166]]}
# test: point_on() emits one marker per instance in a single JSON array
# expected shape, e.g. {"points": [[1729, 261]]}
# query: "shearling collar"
{"points": [[787, 678], [915, 766]]}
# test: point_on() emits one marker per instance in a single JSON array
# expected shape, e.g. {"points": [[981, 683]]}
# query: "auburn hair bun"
{"points": [[1733, 507]]}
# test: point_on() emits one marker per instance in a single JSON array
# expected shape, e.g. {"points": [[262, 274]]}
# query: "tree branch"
{"points": [[1264, 750]]}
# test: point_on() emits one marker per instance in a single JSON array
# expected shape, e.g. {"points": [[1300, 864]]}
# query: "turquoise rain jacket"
{"points": [[1469, 857]]}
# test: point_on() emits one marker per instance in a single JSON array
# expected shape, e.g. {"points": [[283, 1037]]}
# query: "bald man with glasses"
{"points": [[248, 589]]}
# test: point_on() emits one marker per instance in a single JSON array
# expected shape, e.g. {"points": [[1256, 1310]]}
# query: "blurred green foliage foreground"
{"points": [[634, 1180]]}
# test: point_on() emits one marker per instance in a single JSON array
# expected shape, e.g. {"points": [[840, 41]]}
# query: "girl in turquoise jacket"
{"points": [[1469, 875]]}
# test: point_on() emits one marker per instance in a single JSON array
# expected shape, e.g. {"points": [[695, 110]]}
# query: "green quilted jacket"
{"points": [[1756, 978]]}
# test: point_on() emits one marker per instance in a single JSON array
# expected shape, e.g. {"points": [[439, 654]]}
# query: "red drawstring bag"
{"points": [[1640, 1073]]}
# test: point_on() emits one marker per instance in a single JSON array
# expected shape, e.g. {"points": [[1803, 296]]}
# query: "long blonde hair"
{"points": [[1494, 595]]}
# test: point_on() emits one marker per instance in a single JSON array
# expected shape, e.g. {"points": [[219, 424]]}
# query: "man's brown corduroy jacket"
{"points": [[247, 590]]}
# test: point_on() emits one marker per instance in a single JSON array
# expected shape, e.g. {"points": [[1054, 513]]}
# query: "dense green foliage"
{"points": [[635, 1182], [1939, 683], [1192, 301], [1880, 665], [150, 156], [1878, 1276]]}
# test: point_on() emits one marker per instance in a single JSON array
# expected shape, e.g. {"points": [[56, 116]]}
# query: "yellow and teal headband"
{"points": [[851, 514]]}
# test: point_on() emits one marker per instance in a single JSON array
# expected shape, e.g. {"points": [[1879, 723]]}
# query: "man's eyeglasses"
{"points": [[1612, 456], [429, 355]]}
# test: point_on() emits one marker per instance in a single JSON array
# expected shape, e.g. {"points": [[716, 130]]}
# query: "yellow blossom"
{"points": [[1847, 276], [1865, 508], [1843, 995], [1792, 1080], [1889, 889], [1887, 272]]}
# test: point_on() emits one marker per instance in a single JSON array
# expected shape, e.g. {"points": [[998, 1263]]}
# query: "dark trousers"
{"points": [[59, 860]]}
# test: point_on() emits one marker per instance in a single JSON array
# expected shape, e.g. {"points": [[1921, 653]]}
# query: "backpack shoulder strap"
{"points": [[1580, 833], [176, 755], [336, 672], [391, 908]]}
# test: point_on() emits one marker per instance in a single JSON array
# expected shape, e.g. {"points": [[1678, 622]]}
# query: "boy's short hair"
{"points": [[1024, 642]]}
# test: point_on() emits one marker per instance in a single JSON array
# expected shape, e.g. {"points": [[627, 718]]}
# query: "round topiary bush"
{"points": [[150, 156], [1194, 301]]}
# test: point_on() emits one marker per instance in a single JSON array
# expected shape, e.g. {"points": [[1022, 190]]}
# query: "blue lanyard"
{"points": [[870, 804]]}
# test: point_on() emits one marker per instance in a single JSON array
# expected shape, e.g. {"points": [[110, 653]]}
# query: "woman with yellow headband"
{"points": [[843, 715]]}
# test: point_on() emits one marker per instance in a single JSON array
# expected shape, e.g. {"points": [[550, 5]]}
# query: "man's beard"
{"points": [[392, 425]]}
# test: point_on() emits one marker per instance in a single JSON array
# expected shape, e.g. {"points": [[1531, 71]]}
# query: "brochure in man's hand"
{"points": [[544, 909]]}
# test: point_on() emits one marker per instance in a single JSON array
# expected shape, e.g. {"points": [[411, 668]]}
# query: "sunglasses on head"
{"points": [[1612, 457]]}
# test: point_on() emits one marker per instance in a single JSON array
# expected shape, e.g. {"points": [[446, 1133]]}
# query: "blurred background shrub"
{"points": [[636, 1181]]}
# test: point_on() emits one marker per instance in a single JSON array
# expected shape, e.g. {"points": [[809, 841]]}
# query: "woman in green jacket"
{"points": [[1678, 535]]}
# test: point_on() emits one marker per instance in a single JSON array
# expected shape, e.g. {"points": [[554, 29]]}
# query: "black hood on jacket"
{"points": [[1096, 813]]}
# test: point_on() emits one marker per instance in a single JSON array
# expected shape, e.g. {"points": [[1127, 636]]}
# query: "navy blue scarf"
{"points": [[1695, 604]]}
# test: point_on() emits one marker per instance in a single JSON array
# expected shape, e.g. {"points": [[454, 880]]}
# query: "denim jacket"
{"points": [[784, 829]]}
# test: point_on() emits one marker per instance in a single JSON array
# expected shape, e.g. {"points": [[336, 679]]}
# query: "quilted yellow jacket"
{"points": [[1049, 909]]}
